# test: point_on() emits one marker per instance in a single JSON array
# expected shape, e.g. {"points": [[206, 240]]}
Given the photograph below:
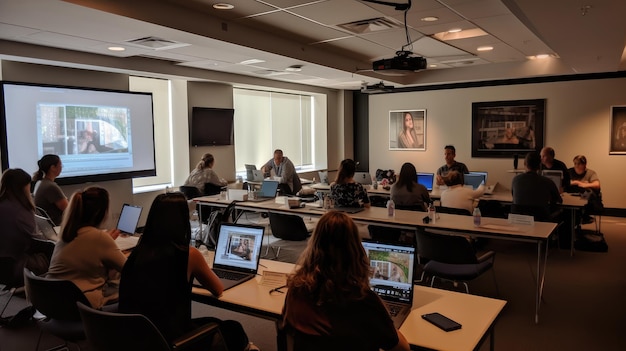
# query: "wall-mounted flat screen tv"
{"points": [[98, 134], [212, 126]]}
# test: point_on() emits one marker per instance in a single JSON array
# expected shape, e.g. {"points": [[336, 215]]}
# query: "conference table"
{"points": [[493, 228], [476, 314]]}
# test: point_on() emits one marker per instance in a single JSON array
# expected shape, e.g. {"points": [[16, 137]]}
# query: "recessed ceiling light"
{"points": [[432, 65], [223, 6], [116, 48], [454, 30], [430, 19], [484, 48], [251, 61], [542, 56]]}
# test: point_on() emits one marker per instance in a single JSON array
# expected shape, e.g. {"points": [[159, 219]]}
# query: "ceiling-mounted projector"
{"points": [[402, 62], [377, 88]]}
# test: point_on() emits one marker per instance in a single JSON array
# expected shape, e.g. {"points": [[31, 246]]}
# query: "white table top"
{"points": [[475, 313]]}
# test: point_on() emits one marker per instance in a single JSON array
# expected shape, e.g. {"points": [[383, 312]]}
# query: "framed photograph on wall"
{"points": [[618, 131], [407, 130], [507, 128]]}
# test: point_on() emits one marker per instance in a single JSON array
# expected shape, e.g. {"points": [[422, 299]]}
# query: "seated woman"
{"points": [[457, 195], [406, 192], [48, 195], [331, 289], [156, 280], [203, 174], [345, 191], [86, 254], [17, 220]]}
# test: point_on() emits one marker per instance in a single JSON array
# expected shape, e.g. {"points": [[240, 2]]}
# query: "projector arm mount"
{"points": [[397, 6]]}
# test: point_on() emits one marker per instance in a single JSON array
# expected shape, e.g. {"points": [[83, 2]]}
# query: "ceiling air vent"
{"points": [[155, 43], [370, 25]]}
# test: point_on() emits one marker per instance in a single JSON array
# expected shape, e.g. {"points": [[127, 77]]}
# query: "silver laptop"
{"points": [[267, 192], [257, 175], [363, 177], [323, 177], [556, 176], [249, 173], [391, 276], [129, 218], [237, 253]]}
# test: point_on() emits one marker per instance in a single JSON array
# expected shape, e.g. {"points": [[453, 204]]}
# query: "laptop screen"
{"points": [[268, 188], [391, 270], [238, 247], [323, 177], [474, 179], [426, 179], [129, 218], [249, 173]]}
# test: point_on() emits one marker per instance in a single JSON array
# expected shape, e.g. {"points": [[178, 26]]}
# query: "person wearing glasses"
{"points": [[329, 304]]}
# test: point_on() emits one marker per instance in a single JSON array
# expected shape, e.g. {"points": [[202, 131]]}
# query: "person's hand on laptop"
{"points": [[114, 233]]}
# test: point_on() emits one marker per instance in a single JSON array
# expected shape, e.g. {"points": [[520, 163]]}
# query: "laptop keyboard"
{"points": [[394, 309], [229, 275]]}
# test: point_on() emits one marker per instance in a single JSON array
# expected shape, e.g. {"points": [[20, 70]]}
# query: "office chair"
{"points": [[453, 258], [212, 189], [190, 192], [108, 331], [56, 299], [285, 227], [382, 233], [452, 210]]}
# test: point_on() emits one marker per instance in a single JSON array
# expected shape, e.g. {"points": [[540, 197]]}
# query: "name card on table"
{"points": [[521, 219]]}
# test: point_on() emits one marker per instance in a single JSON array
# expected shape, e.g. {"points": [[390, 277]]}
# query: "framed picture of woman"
{"points": [[407, 130], [618, 131]]}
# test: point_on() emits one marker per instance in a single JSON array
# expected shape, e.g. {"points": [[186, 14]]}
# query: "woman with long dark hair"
{"points": [[406, 192], [345, 191], [48, 195], [86, 254], [157, 278], [329, 305]]}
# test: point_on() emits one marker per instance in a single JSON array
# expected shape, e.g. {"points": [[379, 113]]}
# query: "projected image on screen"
{"points": [[85, 134]]}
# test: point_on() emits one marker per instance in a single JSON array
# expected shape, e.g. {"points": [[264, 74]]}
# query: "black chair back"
{"points": [[539, 213], [108, 331], [190, 192], [212, 189], [452, 210], [11, 272], [443, 248], [288, 227], [381, 233], [55, 298]]}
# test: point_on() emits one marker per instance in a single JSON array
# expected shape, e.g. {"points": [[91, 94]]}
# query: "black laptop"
{"points": [[237, 253], [391, 276]]}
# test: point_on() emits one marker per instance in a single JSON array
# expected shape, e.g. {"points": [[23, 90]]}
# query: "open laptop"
{"points": [[323, 177], [257, 175], [555, 176], [237, 253], [127, 225], [426, 179], [391, 276], [249, 173], [475, 179], [363, 177], [267, 192]]}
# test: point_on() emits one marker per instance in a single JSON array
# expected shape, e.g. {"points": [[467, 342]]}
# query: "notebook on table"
{"points": [[391, 276], [127, 225], [363, 177], [237, 253], [426, 179], [267, 192]]}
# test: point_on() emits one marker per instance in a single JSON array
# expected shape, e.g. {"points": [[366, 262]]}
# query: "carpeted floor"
{"points": [[583, 305]]}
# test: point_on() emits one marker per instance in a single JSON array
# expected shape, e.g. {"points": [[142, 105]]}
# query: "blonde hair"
{"points": [[205, 162]]}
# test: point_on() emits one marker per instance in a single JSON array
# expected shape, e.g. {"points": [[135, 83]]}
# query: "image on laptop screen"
{"points": [[391, 270], [238, 246], [129, 218], [474, 179], [426, 179]]}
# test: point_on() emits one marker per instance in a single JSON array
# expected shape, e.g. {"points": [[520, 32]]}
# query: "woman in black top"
{"points": [[156, 279]]}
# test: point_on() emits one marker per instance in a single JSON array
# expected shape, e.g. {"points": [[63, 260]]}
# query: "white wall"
{"points": [[577, 122]]}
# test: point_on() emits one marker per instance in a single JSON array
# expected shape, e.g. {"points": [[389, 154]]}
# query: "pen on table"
{"points": [[278, 289]]}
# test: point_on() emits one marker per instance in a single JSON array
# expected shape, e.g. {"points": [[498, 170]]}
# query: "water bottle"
{"points": [[432, 213], [391, 208], [375, 184], [477, 216]]}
